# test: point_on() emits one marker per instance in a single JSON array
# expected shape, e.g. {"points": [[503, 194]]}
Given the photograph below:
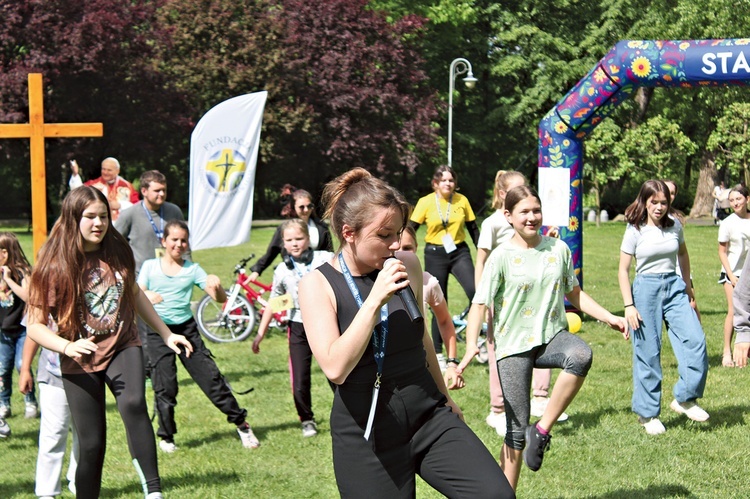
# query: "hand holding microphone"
{"points": [[407, 297]]}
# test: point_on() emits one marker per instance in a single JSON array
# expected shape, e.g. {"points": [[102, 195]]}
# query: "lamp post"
{"points": [[458, 67]]}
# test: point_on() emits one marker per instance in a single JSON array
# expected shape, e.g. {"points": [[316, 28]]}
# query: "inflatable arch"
{"points": [[629, 65]]}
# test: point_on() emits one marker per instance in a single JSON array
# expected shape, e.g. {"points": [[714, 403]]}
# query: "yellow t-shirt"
{"points": [[458, 211]]}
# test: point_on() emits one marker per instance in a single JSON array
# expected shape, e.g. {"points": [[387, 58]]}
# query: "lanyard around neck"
{"points": [[379, 339], [447, 213], [159, 233]]}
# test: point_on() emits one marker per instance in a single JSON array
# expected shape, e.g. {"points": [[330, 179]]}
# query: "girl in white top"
{"points": [[658, 294], [299, 260], [734, 240]]}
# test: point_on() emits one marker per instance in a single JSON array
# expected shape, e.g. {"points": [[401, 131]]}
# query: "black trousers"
{"points": [[414, 433], [201, 367], [85, 394], [300, 361], [441, 264]]}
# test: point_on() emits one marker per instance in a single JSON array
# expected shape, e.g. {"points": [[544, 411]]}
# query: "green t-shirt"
{"points": [[527, 289]]}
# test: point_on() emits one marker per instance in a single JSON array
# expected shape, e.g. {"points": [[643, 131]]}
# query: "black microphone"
{"points": [[407, 298]]}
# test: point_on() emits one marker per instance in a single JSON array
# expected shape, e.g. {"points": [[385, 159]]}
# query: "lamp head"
{"points": [[470, 81]]}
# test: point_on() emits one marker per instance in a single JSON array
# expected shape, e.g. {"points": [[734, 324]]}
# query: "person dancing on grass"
{"points": [[734, 241], [526, 280], [658, 294], [299, 260], [85, 279], [168, 283], [392, 416]]}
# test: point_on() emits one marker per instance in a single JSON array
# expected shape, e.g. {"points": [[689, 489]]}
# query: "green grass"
{"points": [[600, 452]]}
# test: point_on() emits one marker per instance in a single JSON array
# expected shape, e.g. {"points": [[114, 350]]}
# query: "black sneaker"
{"points": [[536, 445]]}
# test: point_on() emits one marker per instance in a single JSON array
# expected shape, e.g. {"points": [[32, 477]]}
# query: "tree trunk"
{"points": [[707, 176]]}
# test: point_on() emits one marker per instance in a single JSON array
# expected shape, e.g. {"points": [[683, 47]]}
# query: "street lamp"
{"points": [[458, 67]]}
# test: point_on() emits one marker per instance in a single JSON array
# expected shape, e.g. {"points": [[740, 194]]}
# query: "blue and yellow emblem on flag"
{"points": [[225, 170]]}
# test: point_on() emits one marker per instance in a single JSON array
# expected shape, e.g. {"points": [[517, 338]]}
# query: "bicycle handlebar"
{"points": [[243, 263]]}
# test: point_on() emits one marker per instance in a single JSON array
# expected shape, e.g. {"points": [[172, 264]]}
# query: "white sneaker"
{"points": [[167, 446], [32, 410], [4, 411], [689, 409], [309, 428], [539, 405], [248, 438], [155, 495], [652, 425], [4, 428], [497, 420]]}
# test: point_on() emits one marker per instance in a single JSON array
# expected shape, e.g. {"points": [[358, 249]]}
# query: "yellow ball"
{"points": [[574, 322]]}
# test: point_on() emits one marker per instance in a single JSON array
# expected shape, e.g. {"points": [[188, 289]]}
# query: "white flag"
{"points": [[223, 157]]}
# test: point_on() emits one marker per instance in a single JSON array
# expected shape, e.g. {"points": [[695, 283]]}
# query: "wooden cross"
{"points": [[37, 130]]}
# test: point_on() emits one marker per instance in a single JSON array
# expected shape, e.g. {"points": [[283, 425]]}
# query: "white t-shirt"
{"points": [[286, 280], [735, 231], [495, 230], [655, 249]]}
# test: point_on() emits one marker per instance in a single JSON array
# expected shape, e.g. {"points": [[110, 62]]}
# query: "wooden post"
{"points": [[36, 130]]}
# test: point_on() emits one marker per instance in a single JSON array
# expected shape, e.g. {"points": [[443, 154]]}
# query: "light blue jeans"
{"points": [[662, 297], [11, 351]]}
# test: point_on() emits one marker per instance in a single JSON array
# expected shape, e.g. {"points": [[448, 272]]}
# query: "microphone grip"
{"points": [[410, 304], [408, 299]]}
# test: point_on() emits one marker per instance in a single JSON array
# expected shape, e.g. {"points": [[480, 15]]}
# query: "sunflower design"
{"points": [[573, 224], [561, 127], [517, 261], [528, 312], [742, 41], [525, 287], [556, 286], [641, 66], [635, 44], [550, 261], [599, 75], [684, 45]]}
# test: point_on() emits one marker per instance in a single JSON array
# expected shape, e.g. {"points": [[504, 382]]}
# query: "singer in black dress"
{"points": [[415, 427]]}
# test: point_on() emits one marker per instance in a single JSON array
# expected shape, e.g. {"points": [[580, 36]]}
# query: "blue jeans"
{"points": [[662, 297], [11, 350]]}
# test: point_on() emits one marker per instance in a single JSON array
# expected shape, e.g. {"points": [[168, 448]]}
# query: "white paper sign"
{"points": [[554, 189]]}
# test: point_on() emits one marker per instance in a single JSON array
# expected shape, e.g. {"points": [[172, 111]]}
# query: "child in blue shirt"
{"points": [[168, 283]]}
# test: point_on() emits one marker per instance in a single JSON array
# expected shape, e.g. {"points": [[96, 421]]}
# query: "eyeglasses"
{"points": [[306, 206]]}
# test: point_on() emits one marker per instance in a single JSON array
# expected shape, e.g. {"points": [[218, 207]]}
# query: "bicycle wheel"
{"points": [[235, 325]]}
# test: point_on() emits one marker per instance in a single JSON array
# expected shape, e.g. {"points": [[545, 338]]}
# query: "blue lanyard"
{"points": [[297, 268], [379, 339], [159, 233]]}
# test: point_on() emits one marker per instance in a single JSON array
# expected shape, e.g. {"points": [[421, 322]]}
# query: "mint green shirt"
{"points": [[176, 290], [527, 289]]}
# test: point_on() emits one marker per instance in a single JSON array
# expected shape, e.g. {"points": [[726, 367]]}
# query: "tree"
{"points": [[346, 87], [731, 140], [95, 56]]}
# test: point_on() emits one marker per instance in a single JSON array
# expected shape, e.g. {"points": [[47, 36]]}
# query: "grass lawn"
{"points": [[600, 452]]}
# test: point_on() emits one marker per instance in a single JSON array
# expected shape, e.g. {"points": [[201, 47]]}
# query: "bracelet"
{"points": [[452, 360], [628, 305], [65, 348]]}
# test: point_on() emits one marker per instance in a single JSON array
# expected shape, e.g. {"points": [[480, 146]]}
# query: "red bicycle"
{"points": [[235, 319]]}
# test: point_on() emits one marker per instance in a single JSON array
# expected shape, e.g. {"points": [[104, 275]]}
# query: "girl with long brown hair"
{"points": [[84, 280]]}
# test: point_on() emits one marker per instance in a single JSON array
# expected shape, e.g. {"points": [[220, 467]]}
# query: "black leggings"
{"points": [[441, 264], [85, 393], [565, 350]]}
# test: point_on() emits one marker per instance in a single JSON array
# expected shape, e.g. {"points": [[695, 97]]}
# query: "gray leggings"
{"points": [[566, 351]]}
